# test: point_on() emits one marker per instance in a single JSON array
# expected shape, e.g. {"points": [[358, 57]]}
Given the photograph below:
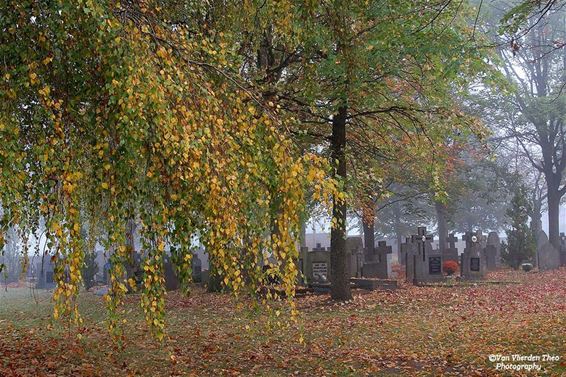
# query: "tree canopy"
{"points": [[111, 112], [215, 121]]}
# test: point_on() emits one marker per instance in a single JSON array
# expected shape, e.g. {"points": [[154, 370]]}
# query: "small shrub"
{"points": [[450, 267]]}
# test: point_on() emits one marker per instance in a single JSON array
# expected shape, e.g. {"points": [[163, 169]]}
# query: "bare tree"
{"points": [[537, 67]]}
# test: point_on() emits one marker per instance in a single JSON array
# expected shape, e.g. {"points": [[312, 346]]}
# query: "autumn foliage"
{"points": [[119, 117]]}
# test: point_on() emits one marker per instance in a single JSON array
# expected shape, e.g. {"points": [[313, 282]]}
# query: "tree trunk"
{"points": [[536, 224], [398, 229], [340, 276], [442, 225], [368, 222], [303, 235], [536, 227], [399, 237], [553, 218]]}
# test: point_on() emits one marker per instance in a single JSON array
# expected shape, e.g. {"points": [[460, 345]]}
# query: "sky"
{"points": [[323, 225]]}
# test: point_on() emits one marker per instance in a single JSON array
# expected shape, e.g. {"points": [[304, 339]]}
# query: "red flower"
{"points": [[450, 267]]}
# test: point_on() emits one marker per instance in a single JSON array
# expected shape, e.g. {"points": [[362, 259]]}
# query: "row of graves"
{"points": [[371, 269], [368, 269], [42, 272], [169, 271], [423, 264]]}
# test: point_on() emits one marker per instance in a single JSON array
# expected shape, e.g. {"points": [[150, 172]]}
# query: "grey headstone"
{"points": [[354, 244], [423, 263], [378, 267], [171, 280], [355, 252], [491, 257], [317, 267], [197, 269], [451, 252], [405, 247], [493, 239], [542, 239], [548, 257], [45, 273], [473, 264]]}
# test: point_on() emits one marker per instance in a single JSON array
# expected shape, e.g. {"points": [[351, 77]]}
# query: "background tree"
{"points": [[535, 64], [399, 215], [11, 257], [520, 241], [89, 270], [366, 84], [484, 197]]}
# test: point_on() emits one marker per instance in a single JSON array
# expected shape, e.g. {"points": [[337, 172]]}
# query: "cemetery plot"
{"points": [[415, 331]]}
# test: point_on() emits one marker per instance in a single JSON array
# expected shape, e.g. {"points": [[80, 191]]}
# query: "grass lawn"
{"points": [[412, 331]]}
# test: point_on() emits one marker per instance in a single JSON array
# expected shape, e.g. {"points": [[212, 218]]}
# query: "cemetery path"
{"points": [[413, 331]]}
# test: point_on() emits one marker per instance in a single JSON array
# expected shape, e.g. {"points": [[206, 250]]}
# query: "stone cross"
{"points": [[382, 251], [318, 248], [452, 240], [471, 238], [420, 238]]}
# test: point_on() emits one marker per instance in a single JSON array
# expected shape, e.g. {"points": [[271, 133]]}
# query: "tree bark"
{"points": [[303, 235], [554, 218], [368, 223], [442, 225], [536, 224], [340, 276]]}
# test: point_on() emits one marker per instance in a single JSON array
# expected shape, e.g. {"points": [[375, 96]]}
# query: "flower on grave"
{"points": [[450, 267]]}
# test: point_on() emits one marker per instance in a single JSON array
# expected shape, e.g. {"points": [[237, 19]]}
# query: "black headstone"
{"points": [[435, 265], [474, 264]]}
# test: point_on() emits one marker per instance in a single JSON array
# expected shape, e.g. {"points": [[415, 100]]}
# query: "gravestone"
{"points": [[171, 279], [378, 266], [302, 264], [548, 256], [493, 251], [473, 265], [318, 265], [197, 269], [490, 257], [205, 277], [106, 273], [562, 249], [451, 252], [424, 264], [45, 273], [405, 247], [355, 252]]}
